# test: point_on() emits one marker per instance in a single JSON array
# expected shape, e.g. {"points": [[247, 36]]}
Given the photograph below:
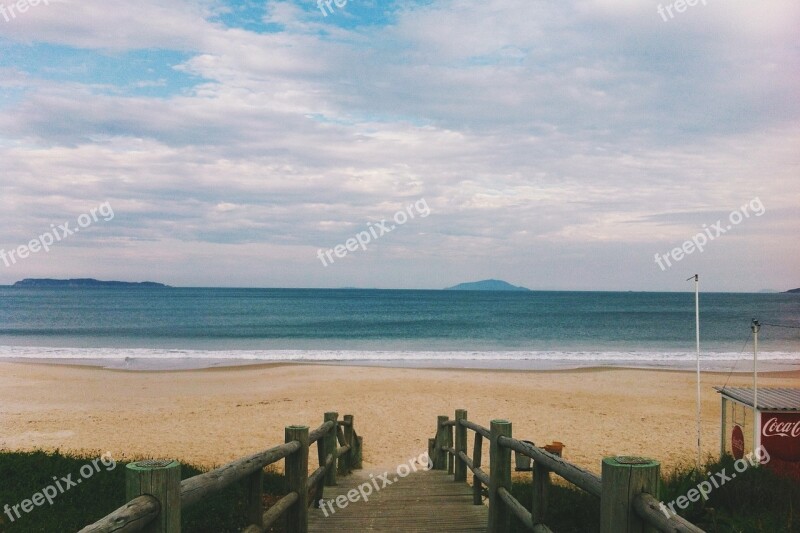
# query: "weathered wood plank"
{"points": [[296, 475], [579, 477], [424, 501], [343, 450], [623, 479], [647, 507], [132, 516], [328, 447], [523, 515], [477, 491], [499, 476], [439, 455], [358, 453], [350, 439], [255, 497], [321, 431], [476, 428], [460, 447], [273, 514], [540, 498], [162, 480], [316, 478], [200, 486]]}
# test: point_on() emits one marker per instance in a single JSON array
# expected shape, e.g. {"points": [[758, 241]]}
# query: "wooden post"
{"points": [[255, 498], [461, 446], [162, 480], [439, 455], [431, 447], [349, 438], [323, 450], [296, 473], [499, 476], [540, 492], [477, 492], [450, 457], [358, 457], [342, 466], [329, 447], [623, 478]]}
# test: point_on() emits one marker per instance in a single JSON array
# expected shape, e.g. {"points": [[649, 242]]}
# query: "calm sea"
{"points": [[185, 327]]}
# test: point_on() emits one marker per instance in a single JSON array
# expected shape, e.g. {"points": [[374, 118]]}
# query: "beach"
{"points": [[211, 416]]}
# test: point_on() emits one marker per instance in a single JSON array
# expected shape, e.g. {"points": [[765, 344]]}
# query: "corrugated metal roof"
{"points": [[769, 399]]}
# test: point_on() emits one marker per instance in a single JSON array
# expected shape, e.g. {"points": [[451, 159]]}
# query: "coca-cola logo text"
{"points": [[773, 428]]}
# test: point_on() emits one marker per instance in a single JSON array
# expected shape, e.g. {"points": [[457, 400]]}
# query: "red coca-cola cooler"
{"points": [[773, 425]]}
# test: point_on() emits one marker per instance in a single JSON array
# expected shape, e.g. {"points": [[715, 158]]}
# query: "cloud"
{"points": [[526, 126]]}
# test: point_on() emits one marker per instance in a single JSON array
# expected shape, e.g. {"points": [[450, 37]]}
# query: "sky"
{"points": [[570, 145]]}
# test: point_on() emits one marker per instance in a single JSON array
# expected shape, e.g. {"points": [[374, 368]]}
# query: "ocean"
{"points": [[201, 327]]}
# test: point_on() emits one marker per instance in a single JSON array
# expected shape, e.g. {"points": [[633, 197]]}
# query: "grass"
{"points": [[25, 473], [569, 510], [757, 501]]}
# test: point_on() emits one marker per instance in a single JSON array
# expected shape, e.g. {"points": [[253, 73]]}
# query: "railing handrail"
{"points": [[201, 486], [644, 505], [131, 517], [476, 428], [320, 432], [477, 471], [647, 508], [583, 479], [141, 511]]}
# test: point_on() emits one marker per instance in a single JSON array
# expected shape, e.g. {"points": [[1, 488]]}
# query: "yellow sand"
{"points": [[209, 417]]}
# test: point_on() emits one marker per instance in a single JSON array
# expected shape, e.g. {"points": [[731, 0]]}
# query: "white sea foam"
{"points": [[141, 357]]}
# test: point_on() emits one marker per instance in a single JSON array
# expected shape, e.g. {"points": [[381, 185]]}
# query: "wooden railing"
{"points": [[628, 488], [156, 495]]}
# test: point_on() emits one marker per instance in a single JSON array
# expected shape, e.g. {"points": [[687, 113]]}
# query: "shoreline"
{"points": [[181, 364], [246, 365]]}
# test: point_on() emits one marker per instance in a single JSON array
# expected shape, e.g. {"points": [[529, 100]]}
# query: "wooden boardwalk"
{"points": [[421, 502]]}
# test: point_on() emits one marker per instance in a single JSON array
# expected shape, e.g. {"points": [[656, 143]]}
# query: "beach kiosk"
{"points": [[774, 424]]}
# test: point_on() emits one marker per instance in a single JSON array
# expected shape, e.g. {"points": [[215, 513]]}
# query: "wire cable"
{"points": [[736, 363]]}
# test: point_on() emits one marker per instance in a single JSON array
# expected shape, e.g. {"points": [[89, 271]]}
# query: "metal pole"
{"points": [[697, 329], [697, 336], [756, 326]]}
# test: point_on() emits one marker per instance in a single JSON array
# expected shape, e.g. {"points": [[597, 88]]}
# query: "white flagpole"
{"points": [[697, 335], [756, 326]]}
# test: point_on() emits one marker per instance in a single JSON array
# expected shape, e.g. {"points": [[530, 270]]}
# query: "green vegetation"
{"points": [[757, 501], [24, 474], [569, 510]]}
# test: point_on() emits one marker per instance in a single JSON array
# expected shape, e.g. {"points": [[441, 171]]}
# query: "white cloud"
{"points": [[526, 126]]}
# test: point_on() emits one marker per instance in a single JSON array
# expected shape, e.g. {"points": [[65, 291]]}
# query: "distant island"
{"points": [[85, 283], [794, 291], [486, 285]]}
